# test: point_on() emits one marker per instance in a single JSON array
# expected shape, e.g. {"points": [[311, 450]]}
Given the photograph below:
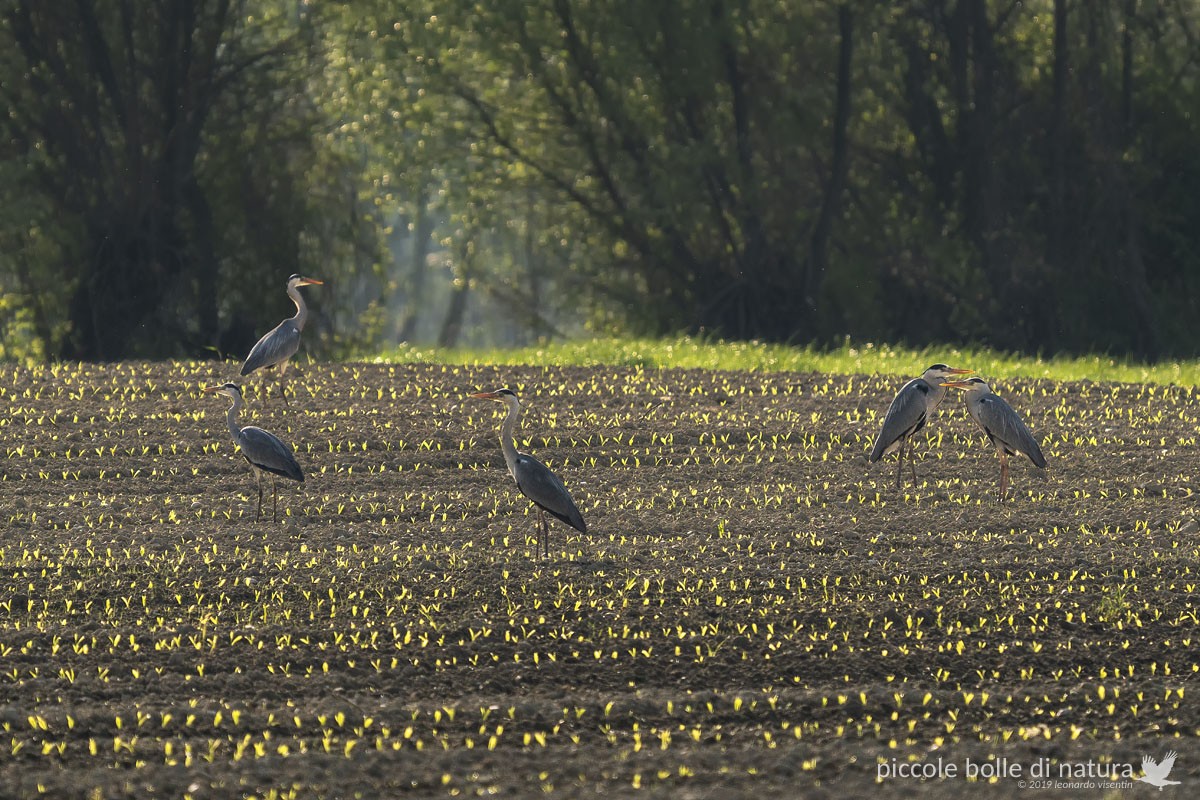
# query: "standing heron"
{"points": [[1007, 432], [534, 479], [265, 451], [912, 407], [281, 342]]}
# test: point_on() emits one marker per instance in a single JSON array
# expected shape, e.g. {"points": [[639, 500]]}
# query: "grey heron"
{"points": [[912, 407], [265, 451], [281, 342], [1007, 431], [533, 478]]}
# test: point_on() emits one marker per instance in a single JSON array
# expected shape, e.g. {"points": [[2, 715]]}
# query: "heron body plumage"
{"points": [[269, 453], [1004, 428], [539, 484], [275, 348], [907, 414], [910, 410], [533, 478]]}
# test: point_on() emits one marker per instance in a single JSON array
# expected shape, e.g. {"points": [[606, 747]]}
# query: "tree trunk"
{"points": [[818, 253], [119, 292], [977, 156], [205, 264], [1135, 266], [418, 266], [452, 323], [460, 293], [1056, 254], [533, 271]]}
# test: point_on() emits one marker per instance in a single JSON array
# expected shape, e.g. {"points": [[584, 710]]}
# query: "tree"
{"points": [[641, 128], [140, 127], [1016, 174]]}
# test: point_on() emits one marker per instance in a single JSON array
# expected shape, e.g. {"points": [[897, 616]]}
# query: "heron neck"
{"points": [[507, 432], [937, 394], [301, 308], [231, 417]]}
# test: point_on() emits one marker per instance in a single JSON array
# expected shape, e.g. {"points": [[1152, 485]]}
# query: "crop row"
{"points": [[753, 599]]}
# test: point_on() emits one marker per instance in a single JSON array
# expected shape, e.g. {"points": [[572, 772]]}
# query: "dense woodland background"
{"points": [[1024, 175]]}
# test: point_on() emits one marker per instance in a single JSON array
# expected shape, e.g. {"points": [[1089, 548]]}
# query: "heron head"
{"points": [[300, 280], [500, 395], [938, 372], [970, 384], [227, 389]]}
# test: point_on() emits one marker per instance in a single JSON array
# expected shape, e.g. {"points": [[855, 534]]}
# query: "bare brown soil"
{"points": [[756, 611]]}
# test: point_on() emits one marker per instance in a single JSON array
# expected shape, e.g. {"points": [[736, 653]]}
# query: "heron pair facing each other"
{"points": [[916, 401]]}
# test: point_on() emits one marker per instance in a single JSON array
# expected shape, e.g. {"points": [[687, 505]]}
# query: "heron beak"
{"points": [[311, 282], [956, 384], [953, 371], [212, 389], [486, 396]]}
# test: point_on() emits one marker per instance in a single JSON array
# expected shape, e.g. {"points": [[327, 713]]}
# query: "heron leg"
{"points": [[912, 465], [282, 387], [274, 500], [1003, 473], [543, 540], [258, 480], [900, 463]]}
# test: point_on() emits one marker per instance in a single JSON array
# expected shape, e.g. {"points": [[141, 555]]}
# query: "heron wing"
{"points": [[1006, 429], [905, 416], [539, 484], [266, 451], [277, 346]]}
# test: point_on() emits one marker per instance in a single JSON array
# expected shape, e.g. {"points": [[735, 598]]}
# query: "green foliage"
{"points": [[641, 133], [1021, 176], [687, 153], [753, 601], [18, 338], [188, 178], [847, 359]]}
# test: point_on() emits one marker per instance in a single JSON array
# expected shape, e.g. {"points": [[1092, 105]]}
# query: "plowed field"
{"points": [[755, 612]]}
